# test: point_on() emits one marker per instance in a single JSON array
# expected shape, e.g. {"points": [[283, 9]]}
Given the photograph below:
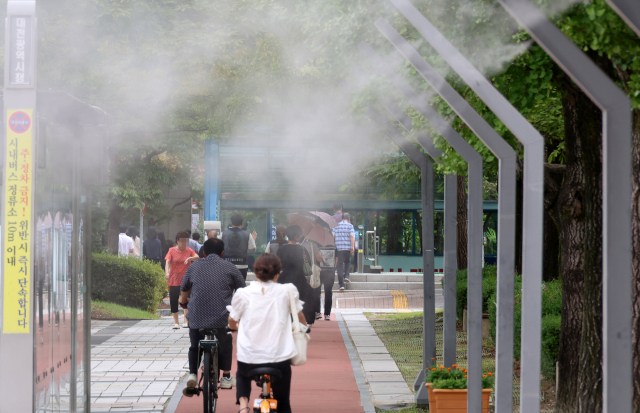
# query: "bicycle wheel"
{"points": [[215, 375], [208, 385]]}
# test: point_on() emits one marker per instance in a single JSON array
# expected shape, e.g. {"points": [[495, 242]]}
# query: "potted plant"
{"points": [[450, 394], [441, 373]]}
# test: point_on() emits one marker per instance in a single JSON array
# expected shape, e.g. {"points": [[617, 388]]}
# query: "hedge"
{"points": [[127, 281], [489, 282], [551, 306]]}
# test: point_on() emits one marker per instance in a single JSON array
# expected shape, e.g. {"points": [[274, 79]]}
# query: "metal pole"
{"points": [[450, 267], [450, 244], [532, 200], [629, 11], [616, 211], [141, 239], [426, 169], [17, 334], [506, 208], [474, 163]]}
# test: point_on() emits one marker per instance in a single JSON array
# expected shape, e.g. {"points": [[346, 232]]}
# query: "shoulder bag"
{"points": [[301, 339], [314, 280], [306, 267]]}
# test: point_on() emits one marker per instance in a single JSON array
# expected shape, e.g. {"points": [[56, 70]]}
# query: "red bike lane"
{"points": [[324, 384]]}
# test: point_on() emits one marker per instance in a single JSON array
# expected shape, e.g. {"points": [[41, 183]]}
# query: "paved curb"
{"points": [[174, 400], [365, 396]]}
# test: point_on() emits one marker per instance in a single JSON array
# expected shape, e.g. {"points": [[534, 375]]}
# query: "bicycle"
{"points": [[208, 384], [263, 376]]}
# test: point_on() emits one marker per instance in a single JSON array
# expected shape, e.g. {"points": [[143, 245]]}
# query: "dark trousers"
{"points": [[281, 387], [174, 295], [328, 278], [344, 262], [243, 271], [225, 350]]}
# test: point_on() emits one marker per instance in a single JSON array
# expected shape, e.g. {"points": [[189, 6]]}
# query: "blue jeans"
{"points": [[344, 262]]}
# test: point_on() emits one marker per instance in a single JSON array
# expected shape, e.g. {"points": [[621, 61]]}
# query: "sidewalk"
{"points": [[325, 384], [141, 366]]}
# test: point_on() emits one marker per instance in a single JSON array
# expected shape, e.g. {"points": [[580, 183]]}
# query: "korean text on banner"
{"points": [[17, 222]]}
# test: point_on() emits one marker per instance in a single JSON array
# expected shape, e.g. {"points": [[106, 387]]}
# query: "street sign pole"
{"points": [[17, 282]]}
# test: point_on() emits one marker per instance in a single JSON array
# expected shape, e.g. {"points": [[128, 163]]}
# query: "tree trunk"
{"points": [[635, 211], [589, 127], [551, 260], [568, 214], [462, 222], [115, 215]]}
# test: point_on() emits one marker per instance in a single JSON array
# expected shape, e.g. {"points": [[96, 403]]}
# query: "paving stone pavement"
{"points": [[386, 384], [138, 369]]}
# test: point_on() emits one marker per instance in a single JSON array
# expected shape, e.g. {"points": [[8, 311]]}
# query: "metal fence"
{"points": [[616, 235]]}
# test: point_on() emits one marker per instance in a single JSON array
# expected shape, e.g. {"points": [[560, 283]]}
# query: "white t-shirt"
{"points": [[264, 333], [125, 244]]}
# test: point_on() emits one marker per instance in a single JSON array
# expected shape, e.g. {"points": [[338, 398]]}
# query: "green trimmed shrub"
{"points": [[550, 345], [551, 305], [127, 281], [489, 282]]}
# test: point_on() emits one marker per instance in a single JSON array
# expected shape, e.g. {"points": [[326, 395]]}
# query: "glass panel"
{"points": [[396, 231]]}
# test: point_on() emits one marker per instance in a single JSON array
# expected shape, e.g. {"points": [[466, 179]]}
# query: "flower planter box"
{"points": [[455, 401], [432, 400]]}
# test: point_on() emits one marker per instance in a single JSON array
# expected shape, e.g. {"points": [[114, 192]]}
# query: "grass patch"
{"points": [[101, 310]]}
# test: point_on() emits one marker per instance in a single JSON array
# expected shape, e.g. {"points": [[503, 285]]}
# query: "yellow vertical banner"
{"points": [[17, 222]]}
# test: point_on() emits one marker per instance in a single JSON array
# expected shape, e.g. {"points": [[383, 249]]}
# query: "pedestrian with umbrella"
{"points": [[293, 257]]}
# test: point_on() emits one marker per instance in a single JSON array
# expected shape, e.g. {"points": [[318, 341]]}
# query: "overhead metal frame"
{"points": [[617, 357], [450, 242], [474, 248], [532, 209], [506, 156], [629, 11]]}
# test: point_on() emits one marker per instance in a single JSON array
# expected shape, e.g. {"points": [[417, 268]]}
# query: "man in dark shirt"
{"points": [[208, 287]]}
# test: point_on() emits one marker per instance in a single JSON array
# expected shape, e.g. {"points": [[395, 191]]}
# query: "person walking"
{"points": [[134, 234], [337, 213], [272, 246], [196, 242], [327, 279], [178, 259], [261, 313], [151, 247], [345, 237], [210, 235], [238, 244], [208, 287], [165, 247], [125, 243], [292, 257]]}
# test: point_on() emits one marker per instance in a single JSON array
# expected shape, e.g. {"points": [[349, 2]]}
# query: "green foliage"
{"points": [[441, 373], [489, 282], [127, 281], [551, 306], [550, 345], [461, 383]]}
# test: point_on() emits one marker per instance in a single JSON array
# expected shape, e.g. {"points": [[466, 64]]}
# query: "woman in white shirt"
{"points": [[261, 314]]}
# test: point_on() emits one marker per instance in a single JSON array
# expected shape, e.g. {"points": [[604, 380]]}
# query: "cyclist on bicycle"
{"points": [[262, 313], [208, 287]]}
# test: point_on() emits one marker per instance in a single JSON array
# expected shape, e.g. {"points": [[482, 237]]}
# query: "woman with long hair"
{"points": [[272, 246]]}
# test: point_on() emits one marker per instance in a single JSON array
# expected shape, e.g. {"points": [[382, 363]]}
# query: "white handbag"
{"points": [[299, 337]]}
